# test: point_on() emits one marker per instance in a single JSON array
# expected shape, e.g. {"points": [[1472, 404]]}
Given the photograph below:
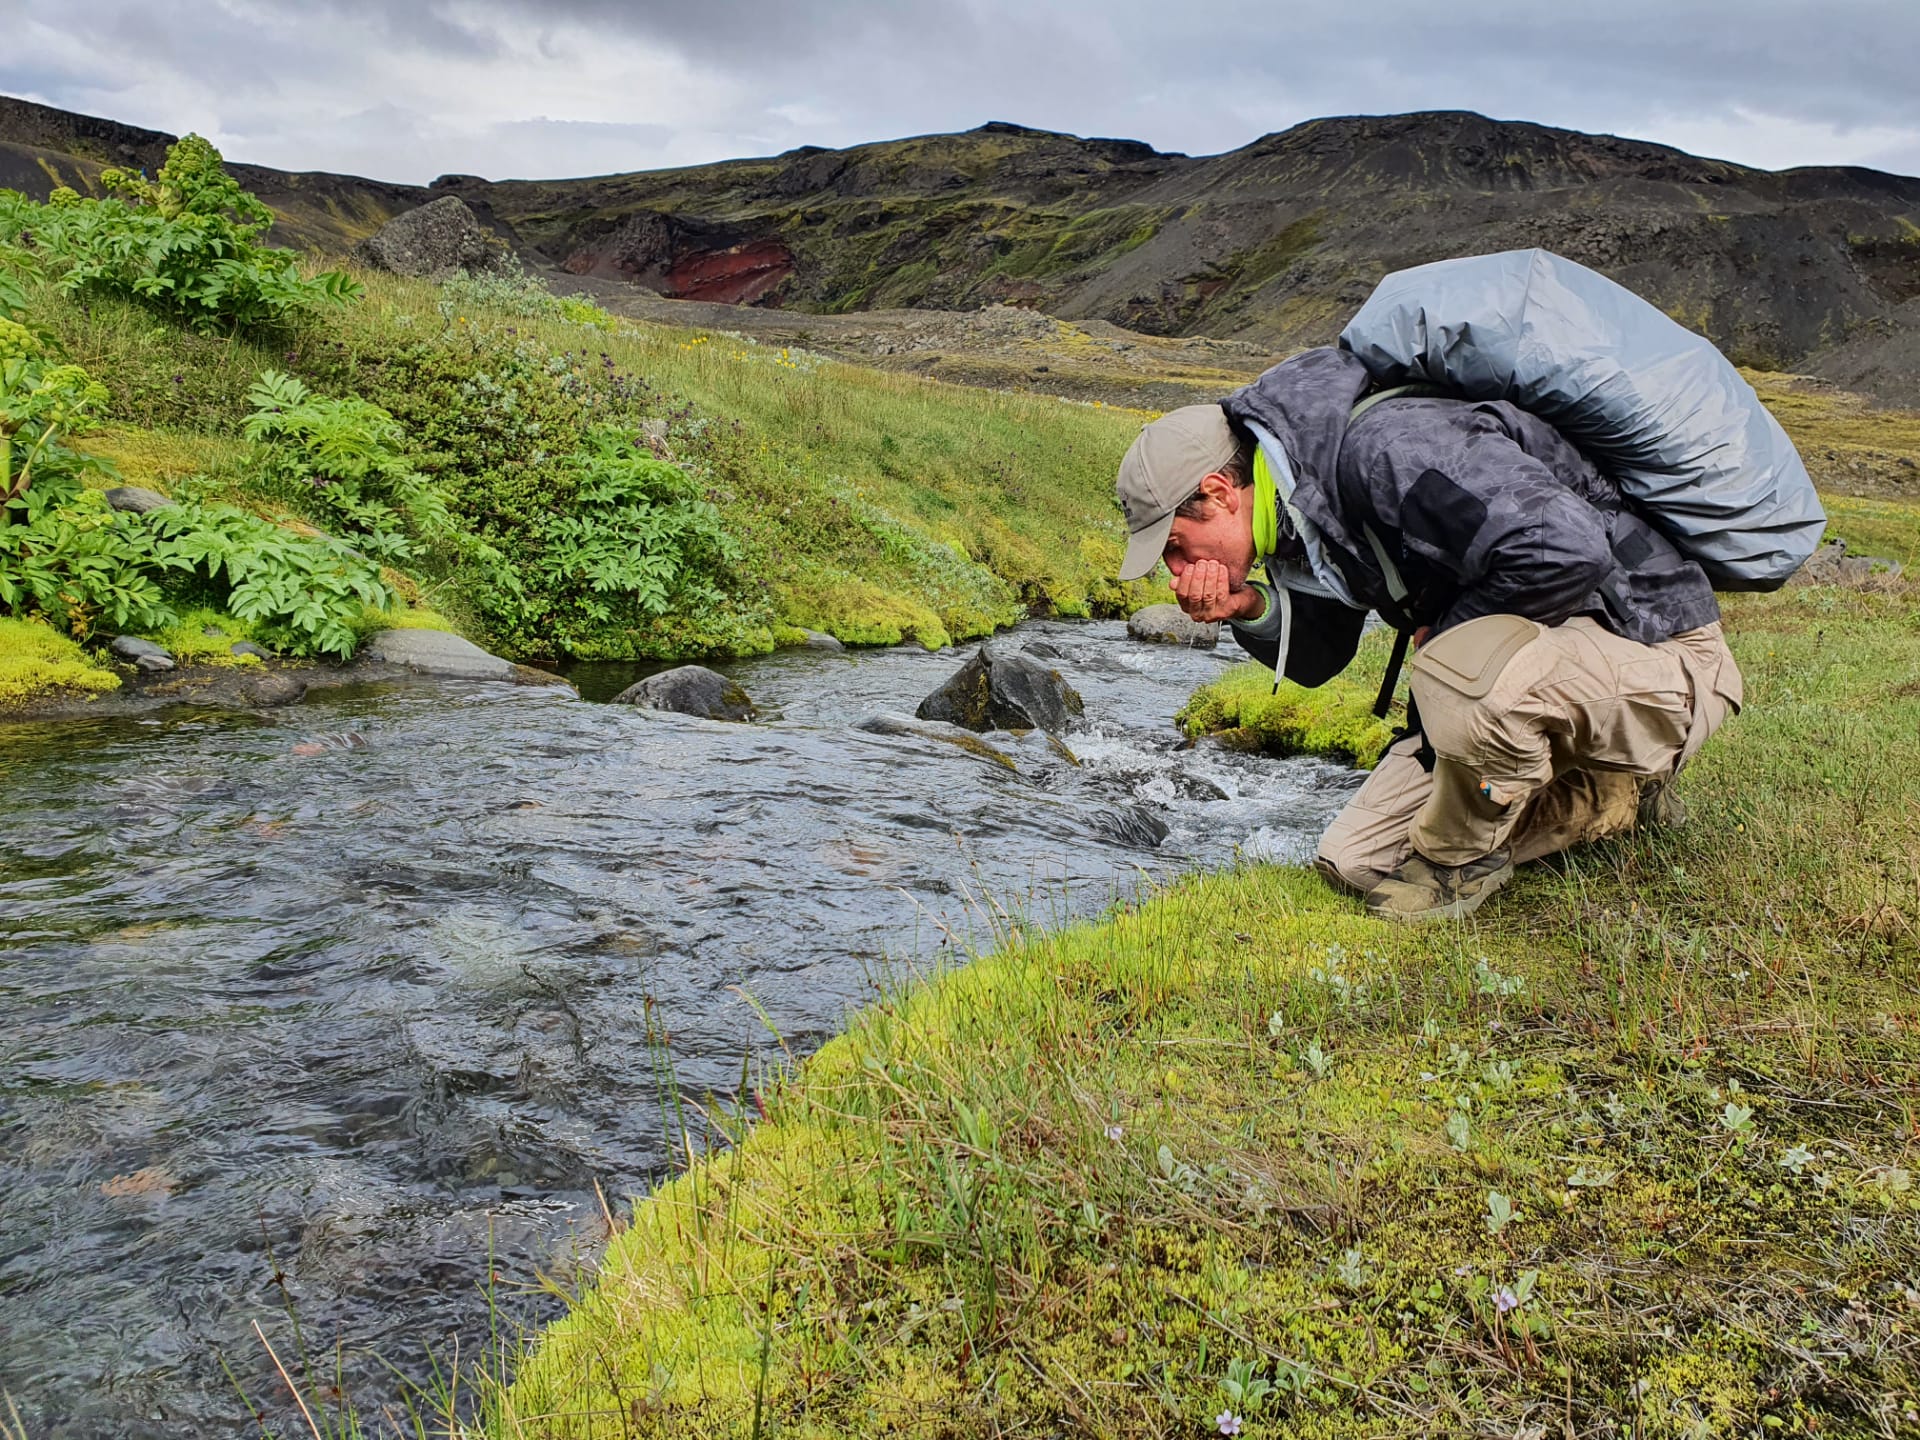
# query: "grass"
{"points": [[1874, 527], [1849, 447], [1633, 1151], [876, 507], [1012, 482]]}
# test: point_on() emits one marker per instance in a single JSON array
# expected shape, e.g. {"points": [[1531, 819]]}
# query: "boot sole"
{"points": [[1454, 910]]}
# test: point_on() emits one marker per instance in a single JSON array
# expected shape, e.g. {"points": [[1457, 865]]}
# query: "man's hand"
{"points": [[1206, 594]]}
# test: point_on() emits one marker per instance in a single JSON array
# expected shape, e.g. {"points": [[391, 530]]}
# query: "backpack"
{"points": [[1655, 405]]}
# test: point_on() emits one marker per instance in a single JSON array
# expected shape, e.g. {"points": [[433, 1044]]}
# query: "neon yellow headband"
{"points": [[1266, 508]]}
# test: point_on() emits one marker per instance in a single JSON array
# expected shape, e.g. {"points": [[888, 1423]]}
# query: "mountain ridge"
{"points": [[1274, 243]]}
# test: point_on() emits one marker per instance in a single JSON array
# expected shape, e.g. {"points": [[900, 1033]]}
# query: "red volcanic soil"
{"points": [[740, 275]]}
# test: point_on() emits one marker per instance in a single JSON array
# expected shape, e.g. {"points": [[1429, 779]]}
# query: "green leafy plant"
{"points": [[185, 242], [1244, 1386], [63, 551], [637, 540], [305, 593], [344, 459]]}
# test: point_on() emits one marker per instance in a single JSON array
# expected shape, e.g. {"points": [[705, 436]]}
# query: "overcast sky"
{"points": [[504, 88]]}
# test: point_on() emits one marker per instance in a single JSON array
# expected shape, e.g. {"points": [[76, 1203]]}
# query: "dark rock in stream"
{"points": [[144, 653], [1133, 825], [690, 690], [276, 687], [1169, 625], [1000, 691], [820, 640]]}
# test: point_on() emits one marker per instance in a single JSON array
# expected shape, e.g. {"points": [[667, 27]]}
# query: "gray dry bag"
{"points": [[1656, 406]]}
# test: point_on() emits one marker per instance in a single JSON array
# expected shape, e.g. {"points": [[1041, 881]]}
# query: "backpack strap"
{"points": [[1419, 390], [1389, 571]]}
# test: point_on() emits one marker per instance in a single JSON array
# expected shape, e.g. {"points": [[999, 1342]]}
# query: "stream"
{"points": [[353, 992]]}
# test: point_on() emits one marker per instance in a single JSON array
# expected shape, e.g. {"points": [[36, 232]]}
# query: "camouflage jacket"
{"points": [[1482, 508]]}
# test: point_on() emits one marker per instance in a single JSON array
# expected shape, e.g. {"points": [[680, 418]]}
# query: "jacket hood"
{"points": [[1304, 403]]}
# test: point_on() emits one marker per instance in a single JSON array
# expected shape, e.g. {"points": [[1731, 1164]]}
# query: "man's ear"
{"points": [[1219, 487]]}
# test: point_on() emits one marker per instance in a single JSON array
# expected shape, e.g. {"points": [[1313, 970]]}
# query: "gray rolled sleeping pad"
{"points": [[1656, 406]]}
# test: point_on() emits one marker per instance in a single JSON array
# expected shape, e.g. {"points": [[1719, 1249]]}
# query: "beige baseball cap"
{"points": [[1161, 470]]}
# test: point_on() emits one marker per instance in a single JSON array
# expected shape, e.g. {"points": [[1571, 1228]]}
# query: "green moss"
{"points": [[187, 641], [408, 618], [37, 662], [161, 459], [1243, 709]]}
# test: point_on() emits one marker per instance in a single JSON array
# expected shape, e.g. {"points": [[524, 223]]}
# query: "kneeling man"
{"points": [[1568, 659]]}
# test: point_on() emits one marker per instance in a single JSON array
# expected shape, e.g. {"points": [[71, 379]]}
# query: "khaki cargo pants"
{"points": [[1544, 736]]}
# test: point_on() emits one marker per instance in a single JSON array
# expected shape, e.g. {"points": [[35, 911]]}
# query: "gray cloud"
{"points": [[513, 87]]}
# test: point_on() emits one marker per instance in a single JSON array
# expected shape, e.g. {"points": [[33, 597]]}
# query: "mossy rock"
{"points": [[690, 690]]}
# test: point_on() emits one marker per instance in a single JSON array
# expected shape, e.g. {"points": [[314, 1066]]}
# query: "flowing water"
{"points": [[356, 991]]}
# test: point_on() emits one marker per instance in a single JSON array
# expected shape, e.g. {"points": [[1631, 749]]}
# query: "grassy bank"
{"points": [[553, 480], [873, 506], [1632, 1152]]}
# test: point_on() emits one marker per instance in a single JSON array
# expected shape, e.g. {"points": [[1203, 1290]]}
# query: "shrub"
{"points": [[635, 541], [184, 243], [344, 459], [67, 555], [597, 548], [510, 290], [63, 551]]}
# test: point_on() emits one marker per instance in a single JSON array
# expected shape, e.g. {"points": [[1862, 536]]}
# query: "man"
{"points": [[1568, 658]]}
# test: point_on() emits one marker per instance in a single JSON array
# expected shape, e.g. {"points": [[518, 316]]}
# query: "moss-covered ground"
{"points": [[37, 661], [1244, 709], [1633, 1151]]}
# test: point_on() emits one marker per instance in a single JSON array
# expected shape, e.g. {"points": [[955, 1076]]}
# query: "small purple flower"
{"points": [[1228, 1422], [1115, 1133], [177, 380], [1463, 1271], [1505, 1300]]}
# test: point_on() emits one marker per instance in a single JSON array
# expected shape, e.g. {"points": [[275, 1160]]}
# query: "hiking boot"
{"points": [[1659, 805], [1331, 874], [1421, 890]]}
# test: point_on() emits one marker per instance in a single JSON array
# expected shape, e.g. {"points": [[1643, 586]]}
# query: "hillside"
{"points": [[1815, 269]]}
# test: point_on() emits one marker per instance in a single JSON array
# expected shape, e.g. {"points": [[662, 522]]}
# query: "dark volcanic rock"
{"points": [[1169, 625], [999, 691], [690, 690], [433, 241], [274, 688], [136, 499], [1133, 825], [1831, 564], [144, 653]]}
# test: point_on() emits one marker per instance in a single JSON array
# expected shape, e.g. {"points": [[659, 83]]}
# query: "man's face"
{"points": [[1223, 532]]}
